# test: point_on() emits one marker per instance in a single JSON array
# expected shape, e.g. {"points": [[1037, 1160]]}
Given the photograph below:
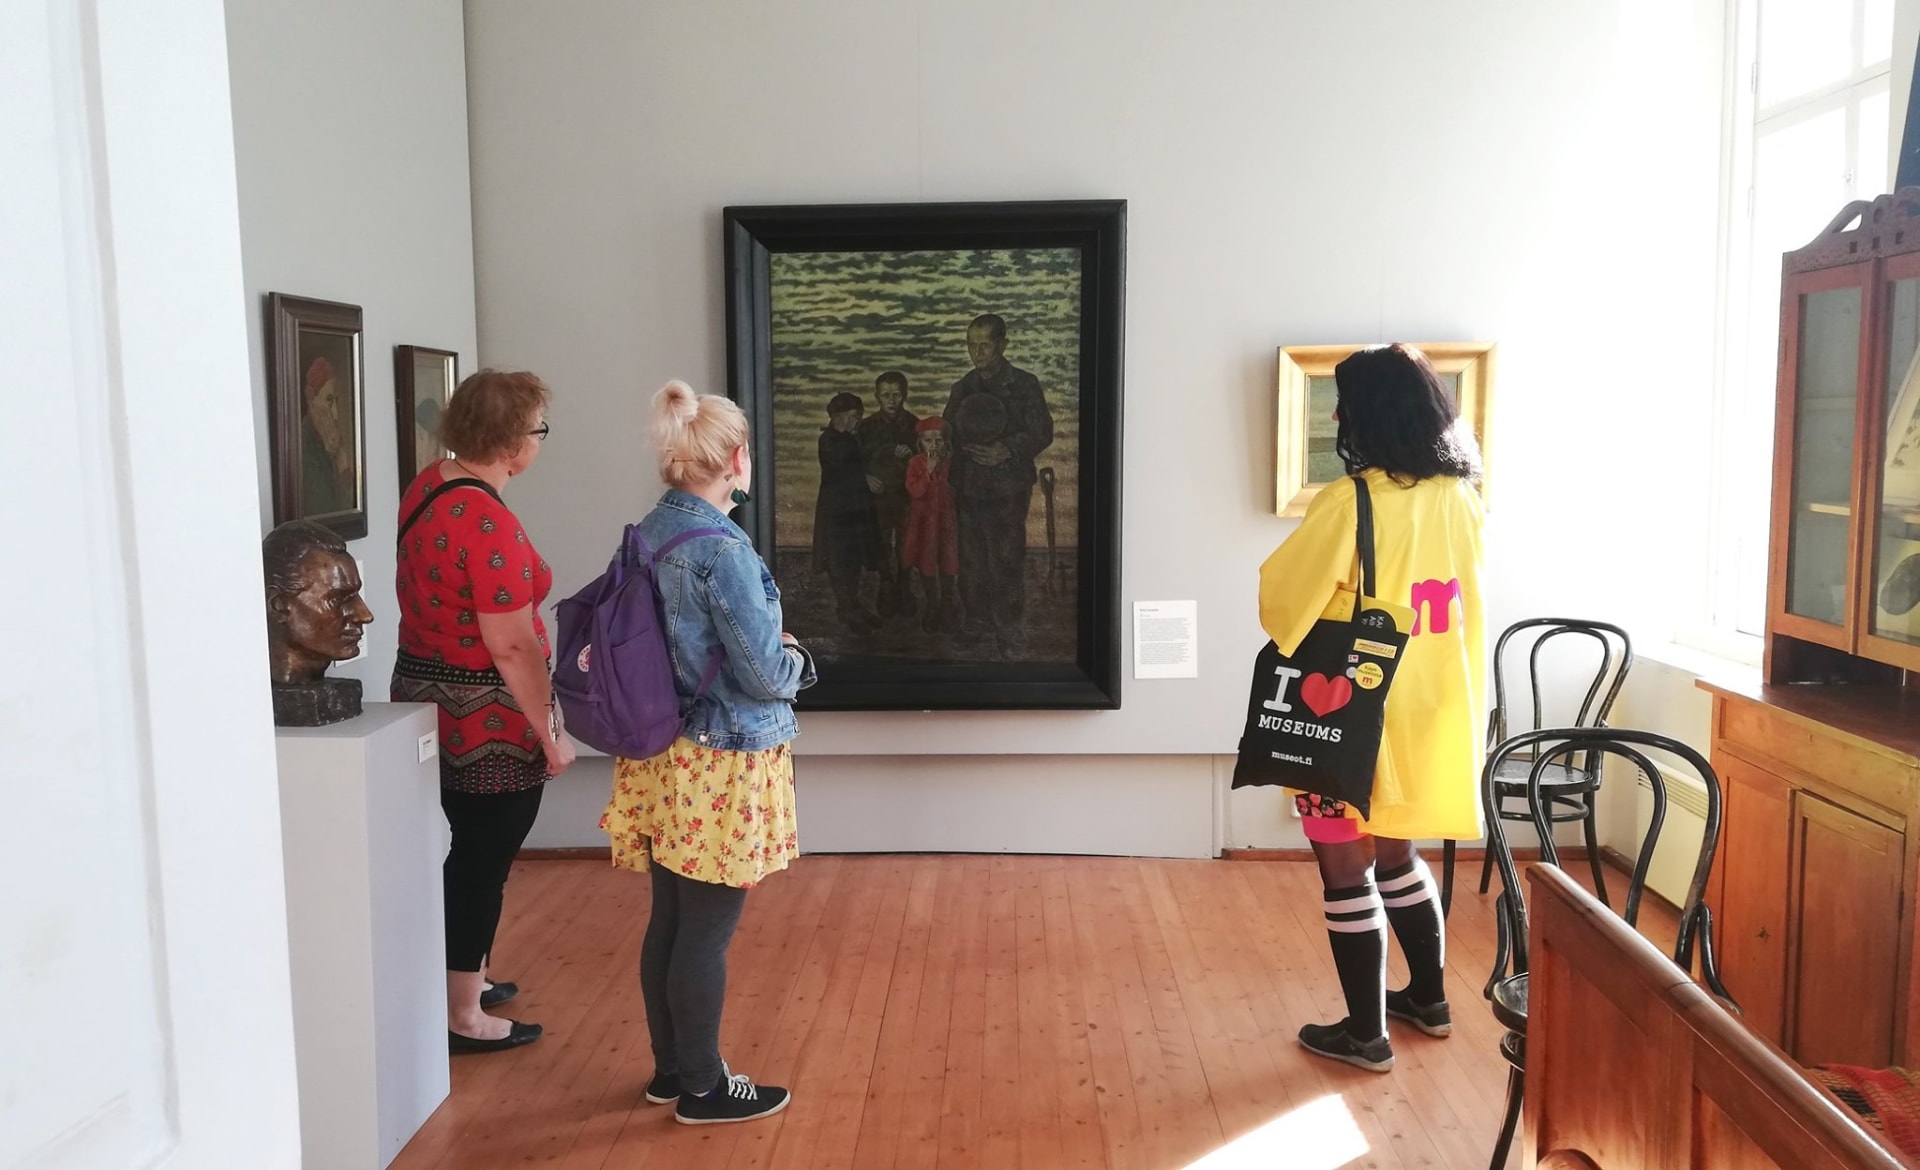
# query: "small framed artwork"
{"points": [[934, 392], [1306, 458], [316, 399], [423, 381]]}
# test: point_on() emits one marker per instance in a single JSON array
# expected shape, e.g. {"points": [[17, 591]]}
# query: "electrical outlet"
{"points": [[429, 746]]}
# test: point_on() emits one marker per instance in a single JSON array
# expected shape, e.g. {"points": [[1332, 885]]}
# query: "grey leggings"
{"points": [[683, 974]]}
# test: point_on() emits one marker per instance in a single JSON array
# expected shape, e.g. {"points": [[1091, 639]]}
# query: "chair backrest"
{"points": [[1548, 745], [1603, 688]]}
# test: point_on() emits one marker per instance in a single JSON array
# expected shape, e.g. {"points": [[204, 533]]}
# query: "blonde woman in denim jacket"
{"points": [[712, 815]]}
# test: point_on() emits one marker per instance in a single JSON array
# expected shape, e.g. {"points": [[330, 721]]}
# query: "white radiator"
{"points": [[1678, 850]]}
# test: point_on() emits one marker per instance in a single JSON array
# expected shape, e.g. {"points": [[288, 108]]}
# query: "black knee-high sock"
{"points": [[1358, 933], [1413, 907]]}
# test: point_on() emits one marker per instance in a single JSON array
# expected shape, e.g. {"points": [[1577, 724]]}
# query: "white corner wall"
{"points": [[143, 943], [350, 137], [1546, 176]]}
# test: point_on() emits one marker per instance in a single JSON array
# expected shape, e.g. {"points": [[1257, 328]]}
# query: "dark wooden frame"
{"points": [[286, 317], [403, 403], [1097, 227]]}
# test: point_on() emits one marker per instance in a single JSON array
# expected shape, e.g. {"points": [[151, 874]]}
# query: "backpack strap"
{"points": [[649, 556], [443, 489]]}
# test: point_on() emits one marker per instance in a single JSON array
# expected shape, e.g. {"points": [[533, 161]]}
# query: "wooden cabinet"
{"points": [[1753, 868], [1846, 918], [1814, 893], [1843, 590]]}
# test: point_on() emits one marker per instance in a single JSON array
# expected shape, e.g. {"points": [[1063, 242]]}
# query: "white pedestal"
{"points": [[364, 837]]}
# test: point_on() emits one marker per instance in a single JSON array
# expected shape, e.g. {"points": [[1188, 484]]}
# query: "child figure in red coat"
{"points": [[932, 549]]}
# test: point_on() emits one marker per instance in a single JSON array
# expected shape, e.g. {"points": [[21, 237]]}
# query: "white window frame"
{"points": [[1743, 124]]}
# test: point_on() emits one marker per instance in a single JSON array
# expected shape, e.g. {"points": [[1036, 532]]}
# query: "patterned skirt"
{"points": [[713, 816], [486, 743]]}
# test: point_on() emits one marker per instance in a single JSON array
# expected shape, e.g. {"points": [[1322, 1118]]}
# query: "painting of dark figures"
{"points": [[926, 421]]}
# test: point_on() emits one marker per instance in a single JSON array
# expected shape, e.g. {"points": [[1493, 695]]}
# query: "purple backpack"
{"points": [[613, 673]]}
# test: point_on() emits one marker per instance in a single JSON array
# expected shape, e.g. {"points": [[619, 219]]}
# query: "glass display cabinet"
{"points": [[1818, 879], [1844, 598]]}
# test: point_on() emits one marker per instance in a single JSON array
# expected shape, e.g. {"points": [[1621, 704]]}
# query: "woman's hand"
{"points": [[560, 753], [787, 639]]}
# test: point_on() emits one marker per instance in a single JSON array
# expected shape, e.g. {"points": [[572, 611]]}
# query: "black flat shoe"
{"points": [[520, 1034], [495, 994]]}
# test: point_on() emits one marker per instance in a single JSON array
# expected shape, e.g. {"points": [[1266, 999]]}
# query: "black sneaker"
{"points": [[1333, 1042], [1432, 1018], [735, 1098], [664, 1088]]}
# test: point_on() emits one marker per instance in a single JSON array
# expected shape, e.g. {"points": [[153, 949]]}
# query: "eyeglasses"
{"points": [[542, 431]]}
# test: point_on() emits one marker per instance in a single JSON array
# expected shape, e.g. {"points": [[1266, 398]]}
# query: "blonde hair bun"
{"points": [[694, 433]]}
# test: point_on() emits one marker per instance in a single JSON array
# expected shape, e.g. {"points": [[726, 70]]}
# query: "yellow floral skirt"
{"points": [[713, 816]]}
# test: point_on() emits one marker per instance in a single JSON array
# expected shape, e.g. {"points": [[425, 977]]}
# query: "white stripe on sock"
{"points": [[1418, 874], [1423, 894], [1357, 926], [1349, 905]]}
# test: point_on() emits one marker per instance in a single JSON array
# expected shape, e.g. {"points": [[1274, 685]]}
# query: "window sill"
{"points": [[1711, 654]]}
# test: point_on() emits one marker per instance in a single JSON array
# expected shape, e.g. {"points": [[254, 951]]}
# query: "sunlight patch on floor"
{"points": [[1320, 1135]]}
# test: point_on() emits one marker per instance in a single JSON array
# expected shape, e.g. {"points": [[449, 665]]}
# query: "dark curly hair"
{"points": [[1395, 414]]}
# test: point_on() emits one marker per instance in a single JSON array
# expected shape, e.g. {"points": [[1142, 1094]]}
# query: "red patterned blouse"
{"points": [[466, 555]]}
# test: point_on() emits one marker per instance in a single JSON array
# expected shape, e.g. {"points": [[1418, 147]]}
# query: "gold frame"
{"points": [[1472, 360]]}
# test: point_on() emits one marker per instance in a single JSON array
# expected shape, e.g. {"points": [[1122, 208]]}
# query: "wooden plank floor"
{"points": [[977, 1011]]}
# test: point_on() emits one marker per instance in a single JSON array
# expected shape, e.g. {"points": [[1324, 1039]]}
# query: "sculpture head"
{"points": [[315, 614]]}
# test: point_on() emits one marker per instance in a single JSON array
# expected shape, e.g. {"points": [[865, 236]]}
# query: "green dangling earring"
{"points": [[739, 497]]}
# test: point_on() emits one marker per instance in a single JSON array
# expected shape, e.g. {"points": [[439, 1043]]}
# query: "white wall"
{"points": [[1542, 175], [350, 134], [143, 947]]}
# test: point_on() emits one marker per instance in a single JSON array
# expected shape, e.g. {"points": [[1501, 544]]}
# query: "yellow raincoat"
{"points": [[1427, 554]]}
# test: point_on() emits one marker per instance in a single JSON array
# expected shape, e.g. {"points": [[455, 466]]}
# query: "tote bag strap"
{"points": [[1363, 539]]}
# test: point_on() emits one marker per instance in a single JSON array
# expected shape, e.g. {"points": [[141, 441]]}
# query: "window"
{"points": [[1808, 130]]}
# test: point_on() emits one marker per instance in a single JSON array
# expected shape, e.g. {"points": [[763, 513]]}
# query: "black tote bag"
{"points": [[1314, 717]]}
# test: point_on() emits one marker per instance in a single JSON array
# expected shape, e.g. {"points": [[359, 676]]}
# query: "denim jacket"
{"points": [[720, 600]]}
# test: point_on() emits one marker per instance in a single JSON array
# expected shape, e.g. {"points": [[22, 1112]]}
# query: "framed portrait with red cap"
{"points": [[935, 396]]}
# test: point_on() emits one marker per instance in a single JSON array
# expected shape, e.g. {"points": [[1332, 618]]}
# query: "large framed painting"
{"points": [[423, 381], [935, 394], [317, 404], [1306, 460]]}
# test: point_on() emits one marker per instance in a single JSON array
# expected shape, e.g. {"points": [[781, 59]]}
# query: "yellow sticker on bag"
{"points": [[1377, 649]]}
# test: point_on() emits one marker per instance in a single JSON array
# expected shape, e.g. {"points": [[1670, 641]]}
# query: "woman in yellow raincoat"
{"points": [[1399, 427]]}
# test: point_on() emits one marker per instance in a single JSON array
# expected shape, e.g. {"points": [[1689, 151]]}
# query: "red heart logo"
{"points": [[1325, 695]]}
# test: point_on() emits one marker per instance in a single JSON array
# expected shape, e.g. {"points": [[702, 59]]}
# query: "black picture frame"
{"points": [[885, 242], [319, 447], [417, 403]]}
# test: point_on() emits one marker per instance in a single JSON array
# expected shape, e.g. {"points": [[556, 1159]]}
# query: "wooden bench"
{"points": [[1631, 1065]]}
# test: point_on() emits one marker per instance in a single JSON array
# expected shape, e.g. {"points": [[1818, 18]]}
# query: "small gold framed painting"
{"points": [[1306, 459]]}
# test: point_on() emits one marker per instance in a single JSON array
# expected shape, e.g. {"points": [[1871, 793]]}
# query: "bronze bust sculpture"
{"points": [[315, 617]]}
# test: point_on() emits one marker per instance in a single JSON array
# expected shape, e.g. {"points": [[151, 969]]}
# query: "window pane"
{"points": [[1874, 151], [1804, 45], [1878, 36]]}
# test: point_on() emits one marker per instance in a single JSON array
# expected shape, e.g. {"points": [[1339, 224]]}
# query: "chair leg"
{"points": [[1447, 849], [1501, 950], [1516, 1088], [1486, 867], [1593, 853]]}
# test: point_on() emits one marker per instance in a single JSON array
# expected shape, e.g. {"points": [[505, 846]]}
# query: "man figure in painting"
{"points": [[315, 617], [327, 474], [845, 537], [1000, 422], [887, 442]]}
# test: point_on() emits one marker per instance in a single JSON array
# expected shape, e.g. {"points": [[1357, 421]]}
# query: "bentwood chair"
{"points": [[1550, 748], [1571, 787]]}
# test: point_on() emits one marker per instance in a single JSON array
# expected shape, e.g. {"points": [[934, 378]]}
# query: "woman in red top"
{"points": [[472, 642]]}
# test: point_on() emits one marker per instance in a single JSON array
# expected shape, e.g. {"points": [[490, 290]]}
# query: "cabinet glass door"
{"points": [[1895, 557], [1823, 429]]}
